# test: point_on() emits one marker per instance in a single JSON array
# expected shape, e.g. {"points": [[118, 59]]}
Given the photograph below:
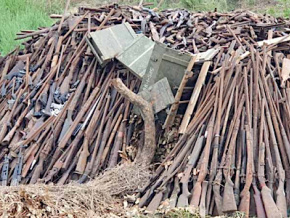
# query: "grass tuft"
{"points": [[16, 15]]}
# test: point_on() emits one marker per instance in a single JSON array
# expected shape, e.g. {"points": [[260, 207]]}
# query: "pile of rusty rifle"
{"points": [[233, 151], [62, 120]]}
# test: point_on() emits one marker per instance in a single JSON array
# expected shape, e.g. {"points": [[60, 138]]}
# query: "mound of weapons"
{"points": [[235, 152], [62, 120], [59, 113]]}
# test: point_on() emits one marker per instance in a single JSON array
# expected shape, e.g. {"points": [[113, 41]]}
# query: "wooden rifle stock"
{"points": [[216, 140], [183, 198], [203, 172], [5, 126], [68, 134], [82, 161], [229, 203], [73, 148], [103, 144], [202, 205], [88, 138], [258, 201], [117, 146], [111, 137], [43, 154], [166, 173], [269, 162], [11, 133], [31, 156], [100, 143], [174, 194], [65, 176], [238, 170], [260, 172], [268, 201], [280, 194], [90, 164], [245, 194]]}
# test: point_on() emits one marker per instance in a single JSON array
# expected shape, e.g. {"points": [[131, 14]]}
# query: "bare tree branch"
{"points": [[147, 152]]}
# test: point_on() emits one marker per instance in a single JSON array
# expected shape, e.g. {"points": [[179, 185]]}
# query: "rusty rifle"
{"points": [[196, 192], [69, 132], [39, 169], [183, 198], [245, 194]]}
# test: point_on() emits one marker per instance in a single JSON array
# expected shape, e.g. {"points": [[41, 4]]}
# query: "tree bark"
{"points": [[147, 152]]}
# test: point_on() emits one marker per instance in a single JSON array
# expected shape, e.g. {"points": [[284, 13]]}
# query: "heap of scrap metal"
{"points": [[225, 97]]}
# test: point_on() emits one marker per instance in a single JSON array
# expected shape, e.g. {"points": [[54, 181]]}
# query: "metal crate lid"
{"points": [[159, 95], [108, 43], [165, 62], [136, 56], [172, 64]]}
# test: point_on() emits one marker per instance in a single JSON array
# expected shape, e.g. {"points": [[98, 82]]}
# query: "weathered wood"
{"points": [[274, 41], [174, 107], [194, 97], [285, 74]]}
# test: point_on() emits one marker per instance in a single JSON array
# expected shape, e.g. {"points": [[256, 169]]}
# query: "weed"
{"points": [[19, 15]]}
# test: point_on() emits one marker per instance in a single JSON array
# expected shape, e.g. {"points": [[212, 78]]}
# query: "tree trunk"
{"points": [[147, 152]]}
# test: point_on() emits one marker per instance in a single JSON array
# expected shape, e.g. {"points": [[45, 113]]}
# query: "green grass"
{"points": [[280, 9], [207, 5], [16, 15]]}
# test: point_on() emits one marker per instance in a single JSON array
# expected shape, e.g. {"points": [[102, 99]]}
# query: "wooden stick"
{"points": [[194, 97], [174, 107], [63, 16]]}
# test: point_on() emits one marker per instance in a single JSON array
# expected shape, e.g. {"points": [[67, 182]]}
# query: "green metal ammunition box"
{"points": [[108, 43], [136, 56]]}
